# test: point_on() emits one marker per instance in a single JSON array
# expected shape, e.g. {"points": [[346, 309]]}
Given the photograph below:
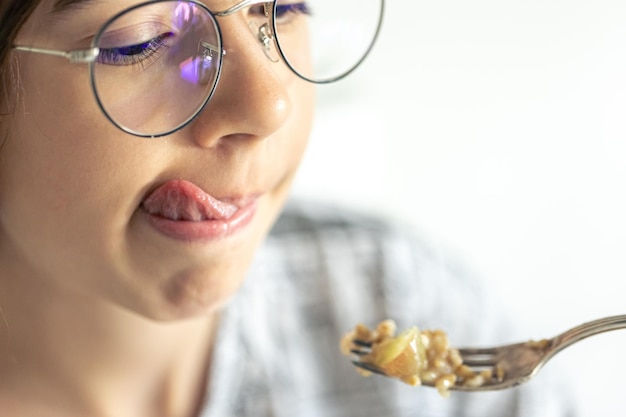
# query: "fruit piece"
{"points": [[401, 356]]}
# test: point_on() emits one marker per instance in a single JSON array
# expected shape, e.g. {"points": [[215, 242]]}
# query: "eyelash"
{"points": [[137, 54]]}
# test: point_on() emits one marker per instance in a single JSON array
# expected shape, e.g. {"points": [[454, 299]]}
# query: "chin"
{"points": [[187, 295], [194, 294]]}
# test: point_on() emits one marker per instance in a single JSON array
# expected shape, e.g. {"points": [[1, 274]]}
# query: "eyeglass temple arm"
{"points": [[90, 55], [76, 56]]}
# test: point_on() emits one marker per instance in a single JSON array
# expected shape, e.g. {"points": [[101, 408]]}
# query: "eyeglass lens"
{"points": [[337, 33], [157, 66], [159, 62]]}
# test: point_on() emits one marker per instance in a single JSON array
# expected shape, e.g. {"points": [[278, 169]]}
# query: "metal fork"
{"points": [[511, 364]]}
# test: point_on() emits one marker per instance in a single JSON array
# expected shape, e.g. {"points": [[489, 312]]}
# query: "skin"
{"points": [[119, 307]]}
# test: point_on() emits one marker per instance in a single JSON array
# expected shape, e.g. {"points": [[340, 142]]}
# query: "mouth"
{"points": [[182, 210]]}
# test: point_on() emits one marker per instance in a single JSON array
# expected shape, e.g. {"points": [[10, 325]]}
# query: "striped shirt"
{"points": [[320, 272]]}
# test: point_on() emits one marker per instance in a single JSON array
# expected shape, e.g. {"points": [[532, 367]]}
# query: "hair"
{"points": [[13, 14]]}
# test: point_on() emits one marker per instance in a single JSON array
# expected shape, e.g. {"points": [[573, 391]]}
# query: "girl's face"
{"points": [[163, 227]]}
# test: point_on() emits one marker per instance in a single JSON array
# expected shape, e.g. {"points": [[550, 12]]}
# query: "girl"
{"points": [[147, 151]]}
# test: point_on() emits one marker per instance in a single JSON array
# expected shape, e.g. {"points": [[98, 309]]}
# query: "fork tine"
{"points": [[361, 347], [359, 352], [362, 343], [477, 351], [368, 367], [481, 357], [479, 362]]}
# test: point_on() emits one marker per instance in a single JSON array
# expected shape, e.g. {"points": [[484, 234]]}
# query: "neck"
{"points": [[104, 360]]}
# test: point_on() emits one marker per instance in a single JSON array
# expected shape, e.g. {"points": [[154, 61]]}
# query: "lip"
{"points": [[183, 211]]}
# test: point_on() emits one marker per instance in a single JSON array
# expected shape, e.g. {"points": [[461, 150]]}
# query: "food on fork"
{"points": [[413, 356]]}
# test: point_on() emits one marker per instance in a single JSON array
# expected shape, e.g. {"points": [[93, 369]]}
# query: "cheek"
{"points": [[61, 171], [65, 157], [308, 111], [299, 125], [57, 202], [57, 97]]}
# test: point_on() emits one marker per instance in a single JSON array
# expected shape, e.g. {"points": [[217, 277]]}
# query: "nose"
{"points": [[251, 100]]}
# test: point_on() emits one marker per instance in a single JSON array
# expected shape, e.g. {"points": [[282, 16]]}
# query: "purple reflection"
{"points": [[183, 14], [196, 70]]}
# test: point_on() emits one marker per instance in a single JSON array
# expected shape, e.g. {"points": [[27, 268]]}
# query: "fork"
{"points": [[511, 364]]}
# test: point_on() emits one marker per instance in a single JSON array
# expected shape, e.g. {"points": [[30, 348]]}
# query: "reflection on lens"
{"points": [[323, 40], [157, 67]]}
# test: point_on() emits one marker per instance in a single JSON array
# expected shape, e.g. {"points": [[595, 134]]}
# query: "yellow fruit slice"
{"points": [[401, 356]]}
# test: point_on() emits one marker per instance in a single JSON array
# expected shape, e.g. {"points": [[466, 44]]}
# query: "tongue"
{"points": [[182, 200]]}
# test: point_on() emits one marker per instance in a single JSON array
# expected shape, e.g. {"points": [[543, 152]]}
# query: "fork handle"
{"points": [[585, 330]]}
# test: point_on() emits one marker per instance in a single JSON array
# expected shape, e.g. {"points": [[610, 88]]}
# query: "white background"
{"points": [[497, 129]]}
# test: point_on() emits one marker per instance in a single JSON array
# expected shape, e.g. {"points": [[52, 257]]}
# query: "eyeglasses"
{"points": [[154, 66]]}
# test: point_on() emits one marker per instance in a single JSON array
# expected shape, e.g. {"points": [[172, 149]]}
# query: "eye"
{"points": [[135, 54], [286, 11]]}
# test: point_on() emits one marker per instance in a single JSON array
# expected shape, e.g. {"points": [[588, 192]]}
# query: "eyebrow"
{"points": [[65, 6]]}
